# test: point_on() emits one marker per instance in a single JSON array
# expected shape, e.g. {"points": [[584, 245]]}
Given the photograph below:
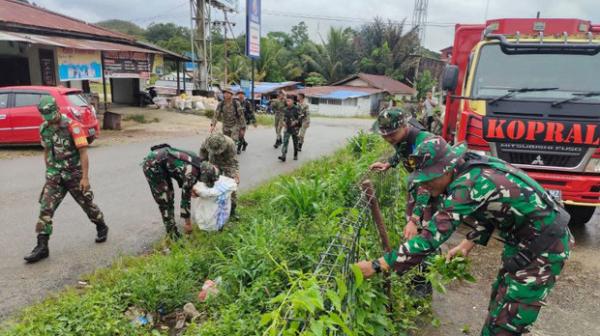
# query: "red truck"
{"points": [[528, 91]]}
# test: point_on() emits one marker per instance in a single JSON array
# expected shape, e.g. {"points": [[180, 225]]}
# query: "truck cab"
{"points": [[528, 91]]}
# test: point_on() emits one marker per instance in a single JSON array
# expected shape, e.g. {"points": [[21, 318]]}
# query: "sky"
{"points": [[320, 15]]}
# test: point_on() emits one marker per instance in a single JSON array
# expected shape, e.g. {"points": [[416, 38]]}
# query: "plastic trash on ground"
{"points": [[210, 211], [210, 288]]}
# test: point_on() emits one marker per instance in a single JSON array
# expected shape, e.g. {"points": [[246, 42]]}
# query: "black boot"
{"points": [[295, 155], [101, 233], [40, 251], [244, 145], [277, 143], [282, 158], [239, 147], [299, 146], [233, 214], [173, 233]]}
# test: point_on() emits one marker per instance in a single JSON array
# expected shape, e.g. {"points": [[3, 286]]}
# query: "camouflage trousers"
{"points": [[293, 133], [302, 131], [278, 125], [162, 190], [54, 192], [517, 298], [233, 132]]}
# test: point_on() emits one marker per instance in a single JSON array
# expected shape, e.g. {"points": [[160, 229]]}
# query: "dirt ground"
{"points": [[159, 124], [572, 307]]}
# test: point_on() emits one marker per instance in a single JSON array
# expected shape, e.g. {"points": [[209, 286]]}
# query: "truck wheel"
{"points": [[91, 139], [580, 214]]}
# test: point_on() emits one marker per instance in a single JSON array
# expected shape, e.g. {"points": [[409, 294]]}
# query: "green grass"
{"points": [[140, 118], [265, 119], [265, 261]]}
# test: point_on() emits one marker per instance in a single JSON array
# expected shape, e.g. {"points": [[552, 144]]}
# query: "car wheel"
{"points": [[580, 214], [91, 139]]}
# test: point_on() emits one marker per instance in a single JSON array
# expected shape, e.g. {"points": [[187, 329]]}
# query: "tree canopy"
{"points": [[380, 47]]}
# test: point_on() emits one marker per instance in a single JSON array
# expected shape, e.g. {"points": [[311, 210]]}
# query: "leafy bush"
{"points": [[209, 113], [265, 119], [301, 197], [266, 262], [140, 118]]}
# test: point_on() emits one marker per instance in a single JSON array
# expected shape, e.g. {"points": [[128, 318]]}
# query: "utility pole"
{"points": [[419, 21], [202, 12]]}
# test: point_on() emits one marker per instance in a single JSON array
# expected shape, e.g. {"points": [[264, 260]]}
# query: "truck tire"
{"points": [[91, 139], [580, 214]]}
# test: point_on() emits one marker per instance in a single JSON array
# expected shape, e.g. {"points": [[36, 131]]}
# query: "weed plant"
{"points": [[266, 262]]}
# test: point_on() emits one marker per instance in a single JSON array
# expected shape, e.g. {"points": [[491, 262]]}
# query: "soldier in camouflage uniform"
{"points": [[248, 116], [292, 120], [496, 196], [219, 150], [402, 131], [164, 163], [65, 153], [231, 114], [303, 106], [278, 107]]}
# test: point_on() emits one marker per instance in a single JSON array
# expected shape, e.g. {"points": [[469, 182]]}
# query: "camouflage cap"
{"points": [[433, 158], [216, 143], [227, 89], [47, 106], [208, 173], [390, 120]]}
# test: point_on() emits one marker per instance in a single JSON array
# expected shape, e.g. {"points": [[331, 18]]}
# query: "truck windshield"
{"points": [[497, 72]]}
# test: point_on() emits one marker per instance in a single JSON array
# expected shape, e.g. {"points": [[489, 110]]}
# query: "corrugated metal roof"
{"points": [[14, 12], [346, 94], [266, 87], [381, 82], [71, 43], [337, 92]]}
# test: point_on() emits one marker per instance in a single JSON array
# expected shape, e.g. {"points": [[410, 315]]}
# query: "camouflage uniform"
{"points": [[63, 172], [220, 150], [420, 206], [498, 196], [250, 119], [164, 163], [278, 107], [389, 121], [292, 119], [62, 142], [232, 117], [305, 123]]}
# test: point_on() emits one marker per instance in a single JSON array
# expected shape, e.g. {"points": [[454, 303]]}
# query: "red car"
{"points": [[20, 120]]}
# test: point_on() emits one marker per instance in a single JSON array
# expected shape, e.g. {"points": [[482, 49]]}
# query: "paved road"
{"points": [[122, 194]]}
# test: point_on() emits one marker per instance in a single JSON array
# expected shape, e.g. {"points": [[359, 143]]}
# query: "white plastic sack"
{"points": [[210, 211]]}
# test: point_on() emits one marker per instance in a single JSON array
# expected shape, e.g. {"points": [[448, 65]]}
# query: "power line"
{"points": [[163, 15], [346, 19]]}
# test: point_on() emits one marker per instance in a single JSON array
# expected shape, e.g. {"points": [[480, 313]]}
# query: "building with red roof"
{"points": [[42, 47]]}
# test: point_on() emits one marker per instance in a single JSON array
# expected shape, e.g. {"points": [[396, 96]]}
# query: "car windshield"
{"points": [[77, 99], [497, 72]]}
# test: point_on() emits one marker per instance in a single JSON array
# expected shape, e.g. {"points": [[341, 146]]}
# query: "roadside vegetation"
{"points": [[265, 263]]}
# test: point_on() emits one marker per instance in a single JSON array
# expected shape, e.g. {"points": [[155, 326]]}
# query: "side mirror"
{"points": [[450, 78]]}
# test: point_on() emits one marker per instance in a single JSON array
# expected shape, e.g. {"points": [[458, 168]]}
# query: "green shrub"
{"points": [[140, 118], [209, 113], [265, 119]]}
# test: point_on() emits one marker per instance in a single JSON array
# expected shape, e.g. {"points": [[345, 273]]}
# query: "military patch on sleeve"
{"points": [[80, 142], [79, 137]]}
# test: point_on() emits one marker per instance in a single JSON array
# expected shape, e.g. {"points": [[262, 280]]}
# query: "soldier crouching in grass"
{"points": [[165, 163], [495, 195], [65, 154]]}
